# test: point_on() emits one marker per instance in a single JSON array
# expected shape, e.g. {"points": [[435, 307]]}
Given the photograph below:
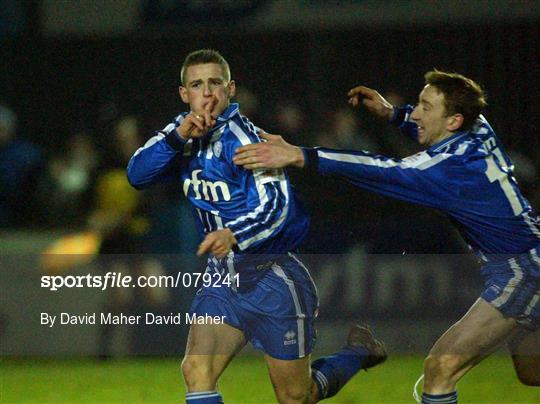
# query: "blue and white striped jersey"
{"points": [[467, 175], [259, 206]]}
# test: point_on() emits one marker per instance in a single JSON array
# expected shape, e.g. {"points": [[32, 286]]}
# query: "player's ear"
{"points": [[183, 94], [232, 89], [454, 122]]}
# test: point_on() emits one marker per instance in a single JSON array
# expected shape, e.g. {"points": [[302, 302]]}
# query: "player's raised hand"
{"points": [[219, 243], [372, 100], [198, 124], [274, 153]]}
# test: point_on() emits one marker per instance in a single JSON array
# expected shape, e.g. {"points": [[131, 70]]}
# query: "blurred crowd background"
{"points": [[85, 83]]}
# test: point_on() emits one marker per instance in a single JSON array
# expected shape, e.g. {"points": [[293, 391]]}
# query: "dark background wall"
{"points": [[55, 84]]}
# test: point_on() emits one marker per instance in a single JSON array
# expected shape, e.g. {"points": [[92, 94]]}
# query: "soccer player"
{"points": [[466, 173], [251, 223]]}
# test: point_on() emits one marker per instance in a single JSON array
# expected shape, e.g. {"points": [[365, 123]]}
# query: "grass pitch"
{"points": [[245, 381]]}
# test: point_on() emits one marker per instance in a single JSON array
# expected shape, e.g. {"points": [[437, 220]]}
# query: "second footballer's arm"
{"points": [[372, 100], [274, 153], [417, 179], [379, 106], [277, 153]]}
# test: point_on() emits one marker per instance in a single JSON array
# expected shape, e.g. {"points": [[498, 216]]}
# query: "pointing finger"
{"points": [[210, 106], [207, 119], [196, 120], [205, 246]]}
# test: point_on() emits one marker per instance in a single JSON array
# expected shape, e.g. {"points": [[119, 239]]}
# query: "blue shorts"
{"points": [[513, 287], [276, 312]]}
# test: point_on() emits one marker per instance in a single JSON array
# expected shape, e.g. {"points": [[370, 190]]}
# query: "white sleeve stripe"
{"points": [[277, 223], [258, 211], [434, 161], [263, 201], [152, 141], [422, 162], [239, 133], [255, 213], [351, 158], [260, 186], [263, 197], [169, 128], [265, 220], [258, 175]]}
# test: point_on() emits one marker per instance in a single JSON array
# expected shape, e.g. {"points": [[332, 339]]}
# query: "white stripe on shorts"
{"points": [[308, 274], [510, 286], [532, 304], [232, 271], [535, 256], [300, 316]]}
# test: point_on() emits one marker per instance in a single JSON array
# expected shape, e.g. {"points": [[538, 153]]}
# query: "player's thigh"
{"points": [[214, 339], [524, 347], [211, 344], [210, 348], [290, 377], [481, 330]]}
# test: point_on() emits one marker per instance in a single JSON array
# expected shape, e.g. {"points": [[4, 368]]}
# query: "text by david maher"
{"points": [[124, 319]]}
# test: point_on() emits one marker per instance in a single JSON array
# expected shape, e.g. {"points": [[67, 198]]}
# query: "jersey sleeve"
{"points": [[268, 201], [425, 179], [157, 159], [402, 119]]}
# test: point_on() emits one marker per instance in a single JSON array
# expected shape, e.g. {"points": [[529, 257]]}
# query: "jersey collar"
{"points": [[437, 147], [231, 111]]}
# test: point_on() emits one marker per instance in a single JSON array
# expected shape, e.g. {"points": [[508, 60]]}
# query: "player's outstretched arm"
{"points": [[372, 100], [274, 153]]}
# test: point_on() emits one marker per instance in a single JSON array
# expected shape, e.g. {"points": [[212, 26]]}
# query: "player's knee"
{"points": [[292, 394], [197, 374], [439, 368], [529, 377]]}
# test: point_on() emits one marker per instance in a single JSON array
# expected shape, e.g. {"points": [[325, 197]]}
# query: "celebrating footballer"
{"points": [[464, 172]]}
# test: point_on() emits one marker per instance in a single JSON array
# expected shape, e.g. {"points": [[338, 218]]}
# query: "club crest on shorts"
{"points": [[289, 338], [217, 148]]}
